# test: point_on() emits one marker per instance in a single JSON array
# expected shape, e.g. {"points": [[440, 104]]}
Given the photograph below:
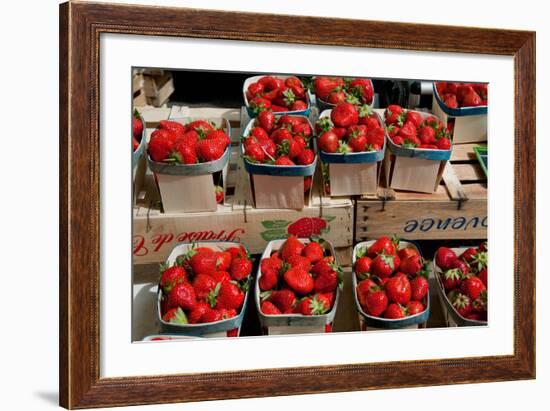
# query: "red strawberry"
{"points": [[313, 306], [344, 115], [135, 144], [468, 255], [254, 153], [483, 276], [202, 127], [408, 131], [209, 150], [406, 252], [299, 261], [325, 265], [259, 133], [267, 120], [461, 265], [172, 276], [325, 85], [203, 262], [364, 288], [479, 305], [240, 268], [307, 183], [219, 194], [398, 289], [471, 98], [214, 315], [443, 143], [254, 89], [229, 296], [220, 136], [462, 304], [161, 144], [175, 316], [182, 295], [273, 262], [292, 246], [450, 101], [382, 245], [290, 148], [298, 105], [472, 287], [336, 97], [419, 287], [427, 135], [394, 311], [284, 161], [258, 104], [195, 315], [313, 251], [363, 266], [384, 265], [376, 302], [444, 258], [203, 284], [299, 280], [173, 126], [358, 144], [284, 299], [326, 282], [137, 127], [306, 157], [451, 279], [237, 251], [376, 136], [301, 129], [306, 227], [268, 308], [221, 276], [268, 280], [414, 307], [413, 117], [411, 265], [363, 88], [328, 142], [184, 153]]}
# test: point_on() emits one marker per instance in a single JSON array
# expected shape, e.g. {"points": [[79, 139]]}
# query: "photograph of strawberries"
{"points": [[281, 203]]}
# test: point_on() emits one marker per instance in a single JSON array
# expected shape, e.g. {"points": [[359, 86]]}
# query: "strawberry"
{"points": [[172, 276], [427, 135], [221, 276], [209, 150], [413, 117], [214, 315], [268, 280], [419, 287], [398, 289], [195, 315], [184, 153], [254, 153], [273, 263], [443, 143], [203, 262], [135, 144], [298, 105], [472, 287], [326, 282], [266, 120], [237, 251], [299, 280], [254, 90], [202, 127], [483, 276], [325, 85], [479, 305], [313, 306], [268, 308], [306, 227], [203, 284], [306, 157], [461, 265], [313, 251], [363, 266], [223, 260], [444, 258], [471, 98], [411, 265], [376, 136], [451, 279], [325, 265], [259, 133], [258, 104], [384, 265], [462, 304], [290, 148], [336, 97], [450, 101], [228, 296], [175, 316], [358, 143], [137, 127], [406, 252], [301, 129], [408, 131], [307, 183], [173, 126], [218, 190], [363, 289], [328, 142], [376, 302], [382, 245], [182, 295], [344, 115], [362, 88], [299, 261], [284, 161], [292, 246], [240, 268], [394, 311], [414, 307], [161, 144], [284, 299]]}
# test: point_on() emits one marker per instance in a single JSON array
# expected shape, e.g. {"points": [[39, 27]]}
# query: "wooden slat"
{"points": [[469, 172], [452, 183], [463, 152]]}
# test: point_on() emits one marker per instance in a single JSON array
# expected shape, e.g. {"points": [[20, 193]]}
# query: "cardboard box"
{"points": [[470, 123]]}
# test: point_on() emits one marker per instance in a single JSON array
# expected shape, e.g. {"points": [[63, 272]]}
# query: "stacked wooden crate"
{"points": [[152, 87]]}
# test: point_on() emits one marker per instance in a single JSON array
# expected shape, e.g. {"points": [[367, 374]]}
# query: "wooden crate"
{"points": [[155, 232], [457, 210], [152, 88]]}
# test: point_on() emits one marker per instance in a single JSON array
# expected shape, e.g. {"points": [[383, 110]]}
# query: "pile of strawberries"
{"points": [[205, 285], [298, 279], [464, 279], [407, 129], [197, 142], [137, 130], [455, 95], [336, 90], [277, 94], [392, 283], [350, 129]]}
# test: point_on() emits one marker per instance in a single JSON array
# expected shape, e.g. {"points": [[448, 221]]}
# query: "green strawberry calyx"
{"points": [[317, 306], [388, 260], [365, 110], [325, 123], [212, 297], [179, 317]]}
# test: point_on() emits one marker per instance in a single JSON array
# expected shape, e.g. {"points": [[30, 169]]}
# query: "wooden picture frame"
{"points": [[80, 27]]}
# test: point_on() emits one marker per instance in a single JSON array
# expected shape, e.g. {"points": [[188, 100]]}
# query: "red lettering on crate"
{"points": [[139, 248], [161, 239]]}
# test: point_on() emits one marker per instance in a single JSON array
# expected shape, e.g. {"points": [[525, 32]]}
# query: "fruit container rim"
{"points": [[274, 170], [460, 320], [200, 329], [136, 155], [268, 320], [421, 153], [457, 112], [325, 105], [353, 158], [195, 169], [388, 323], [253, 79]]}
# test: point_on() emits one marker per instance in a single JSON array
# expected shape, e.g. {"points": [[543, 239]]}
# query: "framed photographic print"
{"points": [[321, 193]]}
